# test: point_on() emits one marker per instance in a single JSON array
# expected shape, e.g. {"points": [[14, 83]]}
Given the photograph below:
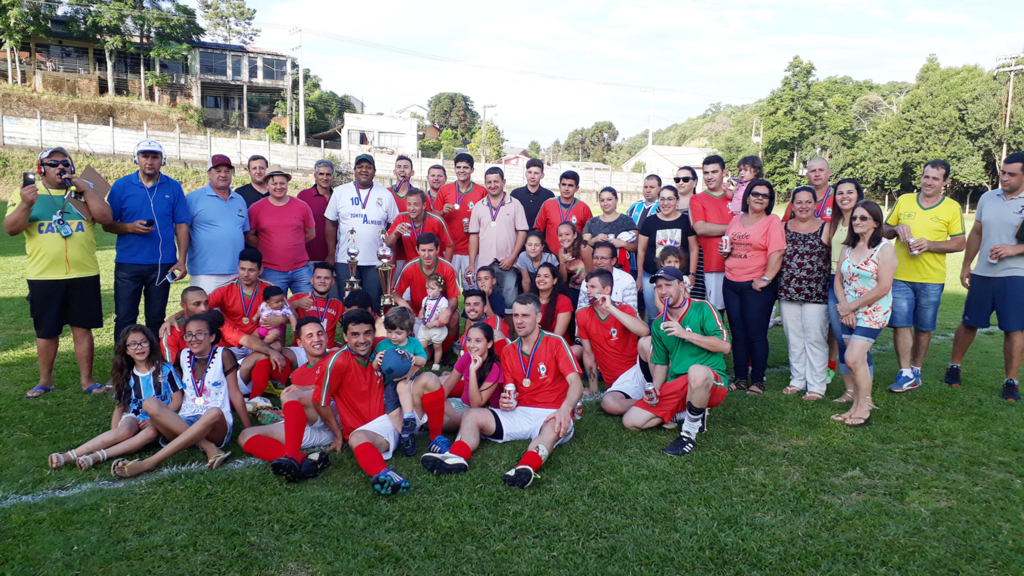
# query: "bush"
{"points": [[430, 148], [191, 115], [276, 131]]}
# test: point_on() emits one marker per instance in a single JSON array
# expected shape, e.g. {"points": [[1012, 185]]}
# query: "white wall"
{"points": [[374, 125]]}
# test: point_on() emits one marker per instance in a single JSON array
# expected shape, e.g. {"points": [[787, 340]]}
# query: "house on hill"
{"points": [[514, 156], [665, 160], [411, 109]]}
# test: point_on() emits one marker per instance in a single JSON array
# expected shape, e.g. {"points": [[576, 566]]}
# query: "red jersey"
{"points": [[549, 366], [500, 332], [449, 194], [615, 347], [310, 375], [552, 214], [433, 203], [706, 207], [399, 251], [823, 209], [228, 299], [356, 388], [432, 223], [172, 344], [328, 312], [414, 279]]}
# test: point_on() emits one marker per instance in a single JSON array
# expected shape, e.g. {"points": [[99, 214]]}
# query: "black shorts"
{"points": [[74, 302]]}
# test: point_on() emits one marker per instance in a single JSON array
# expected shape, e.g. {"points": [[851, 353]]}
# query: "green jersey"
{"points": [[678, 354]]}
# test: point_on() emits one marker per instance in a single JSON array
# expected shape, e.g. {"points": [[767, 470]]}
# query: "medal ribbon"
{"points": [[565, 215], [316, 307], [434, 309], [528, 367], [460, 195], [199, 386], [416, 233], [821, 209], [360, 196], [399, 186], [664, 314], [241, 294], [494, 211]]}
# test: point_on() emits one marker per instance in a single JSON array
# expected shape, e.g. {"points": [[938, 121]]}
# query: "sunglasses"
{"points": [[763, 195], [683, 179], [668, 199], [55, 163], [861, 218]]}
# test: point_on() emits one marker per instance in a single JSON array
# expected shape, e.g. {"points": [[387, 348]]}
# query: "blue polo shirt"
{"points": [[164, 202], [217, 231]]}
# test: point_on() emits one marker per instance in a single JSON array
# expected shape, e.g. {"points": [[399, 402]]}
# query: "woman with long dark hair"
{"points": [[479, 372], [864, 290], [556, 307], [535, 252], [575, 259], [138, 373], [668, 227]]}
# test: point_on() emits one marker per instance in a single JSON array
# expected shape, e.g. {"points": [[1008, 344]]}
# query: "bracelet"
{"points": [[766, 279]]}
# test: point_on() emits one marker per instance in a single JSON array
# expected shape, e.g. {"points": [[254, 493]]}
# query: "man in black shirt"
{"points": [[257, 189], [533, 194]]}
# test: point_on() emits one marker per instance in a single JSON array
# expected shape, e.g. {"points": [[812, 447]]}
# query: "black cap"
{"points": [[668, 273], [364, 158]]}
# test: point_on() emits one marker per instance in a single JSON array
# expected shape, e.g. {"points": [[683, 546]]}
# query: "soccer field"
{"points": [[774, 487]]}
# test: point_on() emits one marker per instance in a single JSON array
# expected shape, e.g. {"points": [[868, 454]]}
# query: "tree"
{"points": [[592, 144], [494, 146], [230, 21], [534, 149], [453, 111], [168, 33], [430, 148], [555, 151], [325, 110], [19, 20]]}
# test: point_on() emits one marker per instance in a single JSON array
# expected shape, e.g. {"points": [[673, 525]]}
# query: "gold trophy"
{"points": [[352, 283], [385, 271]]}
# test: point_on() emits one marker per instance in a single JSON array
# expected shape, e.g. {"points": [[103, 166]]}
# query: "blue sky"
{"points": [[701, 52]]}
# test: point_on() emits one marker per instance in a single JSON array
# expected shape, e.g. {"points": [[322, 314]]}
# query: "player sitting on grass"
{"points": [[138, 373], [282, 443], [689, 344], [399, 323], [545, 388]]}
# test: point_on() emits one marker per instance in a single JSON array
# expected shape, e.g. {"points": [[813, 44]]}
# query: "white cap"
{"points": [[149, 146], [628, 236]]}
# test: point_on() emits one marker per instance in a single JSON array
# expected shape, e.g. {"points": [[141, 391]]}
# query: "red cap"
{"points": [[219, 160]]}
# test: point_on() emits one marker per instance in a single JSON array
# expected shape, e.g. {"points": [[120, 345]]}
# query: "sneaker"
{"points": [[314, 464], [408, 444], [1010, 392], [681, 446], [444, 463], [408, 425], [287, 468], [704, 421], [917, 373], [953, 375], [674, 422], [389, 482], [904, 383], [439, 445], [519, 477]]}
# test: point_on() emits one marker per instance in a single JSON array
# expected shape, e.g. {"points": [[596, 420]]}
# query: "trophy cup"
{"points": [[385, 271], [352, 283]]}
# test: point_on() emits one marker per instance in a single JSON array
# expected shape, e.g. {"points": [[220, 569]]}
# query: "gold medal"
{"points": [[245, 320], [526, 383]]}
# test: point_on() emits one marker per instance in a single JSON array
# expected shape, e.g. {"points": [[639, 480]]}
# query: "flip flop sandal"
{"points": [[791, 390], [838, 417], [95, 389], [863, 421], [846, 397], [61, 461], [125, 462], [40, 388], [756, 389], [218, 460], [87, 461], [812, 396]]}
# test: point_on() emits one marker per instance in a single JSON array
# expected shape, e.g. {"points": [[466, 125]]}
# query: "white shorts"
{"points": [[461, 263], [524, 423], [317, 435], [210, 282], [125, 416], [383, 427], [713, 282], [300, 355], [631, 383], [433, 335]]}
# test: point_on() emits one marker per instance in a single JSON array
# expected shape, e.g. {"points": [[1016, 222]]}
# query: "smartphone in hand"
{"points": [[28, 179], [171, 276]]}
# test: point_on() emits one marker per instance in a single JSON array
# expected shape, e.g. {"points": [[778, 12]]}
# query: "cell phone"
{"points": [[150, 222], [28, 179], [172, 275]]}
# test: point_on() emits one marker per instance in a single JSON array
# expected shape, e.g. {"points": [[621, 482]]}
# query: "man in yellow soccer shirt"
{"points": [[929, 226]]}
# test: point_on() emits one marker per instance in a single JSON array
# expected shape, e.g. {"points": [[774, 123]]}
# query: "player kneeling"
{"points": [[688, 347], [542, 387]]}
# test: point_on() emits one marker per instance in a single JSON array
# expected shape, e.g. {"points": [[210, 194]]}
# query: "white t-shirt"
{"points": [[430, 313], [214, 387], [623, 290], [346, 207]]}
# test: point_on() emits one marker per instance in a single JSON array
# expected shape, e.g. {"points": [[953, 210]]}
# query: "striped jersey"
{"points": [[679, 354]]}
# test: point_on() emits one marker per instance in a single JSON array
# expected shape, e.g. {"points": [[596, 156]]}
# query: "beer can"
{"points": [[510, 389], [726, 244], [912, 252], [650, 394], [577, 412]]}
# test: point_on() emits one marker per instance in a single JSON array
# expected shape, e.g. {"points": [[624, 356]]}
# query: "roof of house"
{"points": [[514, 151], [675, 155], [410, 108]]}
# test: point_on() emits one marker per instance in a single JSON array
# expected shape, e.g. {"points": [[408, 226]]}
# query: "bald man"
{"points": [[818, 175]]}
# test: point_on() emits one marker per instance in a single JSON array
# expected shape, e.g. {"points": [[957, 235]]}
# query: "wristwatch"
{"points": [[766, 279]]}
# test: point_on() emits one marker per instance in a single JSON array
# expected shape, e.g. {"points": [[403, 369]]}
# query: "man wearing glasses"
{"points": [[623, 286], [57, 212], [667, 227]]}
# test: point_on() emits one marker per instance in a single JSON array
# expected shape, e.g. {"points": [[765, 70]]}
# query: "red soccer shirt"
{"points": [[552, 214], [328, 312], [449, 194], [228, 299], [433, 204], [310, 375], [414, 279], [550, 365], [500, 332], [705, 207], [433, 224], [356, 388], [615, 347]]}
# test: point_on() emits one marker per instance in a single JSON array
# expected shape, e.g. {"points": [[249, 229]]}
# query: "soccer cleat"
{"points": [[681, 446], [904, 383], [408, 444], [439, 445], [444, 463], [389, 482], [287, 468], [519, 477], [704, 421], [314, 464], [953, 375], [1010, 392]]}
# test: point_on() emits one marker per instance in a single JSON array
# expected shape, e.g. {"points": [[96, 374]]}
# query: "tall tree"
{"points": [[229, 21], [534, 149], [18, 21], [494, 144], [591, 144], [454, 111]]}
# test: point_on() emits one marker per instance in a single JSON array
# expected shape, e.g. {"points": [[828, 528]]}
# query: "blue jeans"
{"points": [[915, 304], [837, 331], [649, 305], [368, 278], [749, 311], [297, 280], [131, 283]]}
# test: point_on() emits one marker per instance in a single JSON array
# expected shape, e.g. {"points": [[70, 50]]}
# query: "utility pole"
{"points": [[302, 89], [1006, 63], [755, 137], [650, 119], [288, 124], [483, 137]]}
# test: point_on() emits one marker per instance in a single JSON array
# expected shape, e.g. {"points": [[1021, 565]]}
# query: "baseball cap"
{"points": [[396, 363], [364, 158], [219, 160], [149, 146], [46, 153], [668, 273], [276, 170]]}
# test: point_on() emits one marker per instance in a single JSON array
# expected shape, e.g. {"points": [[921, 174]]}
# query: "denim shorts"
{"points": [[861, 333], [1002, 295], [915, 304], [191, 420]]}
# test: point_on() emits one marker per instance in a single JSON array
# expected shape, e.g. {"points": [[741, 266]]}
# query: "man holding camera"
{"points": [[149, 212], [57, 211]]}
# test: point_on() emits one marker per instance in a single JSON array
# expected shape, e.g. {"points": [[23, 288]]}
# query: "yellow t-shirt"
{"points": [[50, 255], [842, 231], [938, 223]]}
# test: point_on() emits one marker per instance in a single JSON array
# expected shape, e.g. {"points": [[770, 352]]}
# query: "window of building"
{"points": [[211, 102], [253, 68], [234, 103], [274, 69], [213, 63], [56, 58], [390, 139], [360, 138], [172, 67], [236, 67]]}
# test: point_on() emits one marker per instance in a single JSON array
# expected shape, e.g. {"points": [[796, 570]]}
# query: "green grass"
{"points": [[774, 487]]}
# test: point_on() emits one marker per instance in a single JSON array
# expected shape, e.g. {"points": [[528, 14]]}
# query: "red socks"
{"points": [[831, 364], [462, 450], [264, 448], [369, 459], [263, 372], [433, 408], [532, 459], [294, 429]]}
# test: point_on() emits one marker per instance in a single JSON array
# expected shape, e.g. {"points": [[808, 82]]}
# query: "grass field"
{"points": [[774, 487]]}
